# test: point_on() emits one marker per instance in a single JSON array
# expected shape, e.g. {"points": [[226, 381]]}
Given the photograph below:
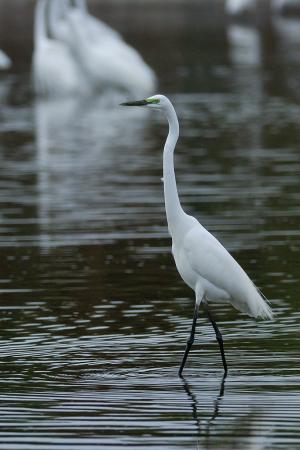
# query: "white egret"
{"points": [[5, 61], [96, 27], [58, 24], [60, 27], [106, 61], [105, 58], [239, 7], [201, 260], [55, 72]]}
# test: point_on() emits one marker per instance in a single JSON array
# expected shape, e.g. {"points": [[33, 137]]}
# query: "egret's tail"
{"points": [[251, 301], [264, 310]]}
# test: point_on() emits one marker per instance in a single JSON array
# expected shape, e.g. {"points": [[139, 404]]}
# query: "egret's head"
{"points": [[156, 101]]}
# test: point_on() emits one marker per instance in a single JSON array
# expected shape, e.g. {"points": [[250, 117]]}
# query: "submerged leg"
{"points": [[218, 336], [191, 339]]}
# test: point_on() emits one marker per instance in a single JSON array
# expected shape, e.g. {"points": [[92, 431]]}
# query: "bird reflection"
{"points": [[217, 402], [78, 147], [245, 52], [201, 429], [252, 438]]}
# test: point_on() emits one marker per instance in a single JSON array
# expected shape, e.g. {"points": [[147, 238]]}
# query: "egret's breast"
{"points": [[183, 266]]}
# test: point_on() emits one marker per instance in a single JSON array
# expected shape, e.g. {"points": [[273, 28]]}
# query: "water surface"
{"points": [[93, 315]]}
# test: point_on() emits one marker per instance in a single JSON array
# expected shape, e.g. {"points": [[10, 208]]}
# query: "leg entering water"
{"points": [[190, 340], [218, 336]]}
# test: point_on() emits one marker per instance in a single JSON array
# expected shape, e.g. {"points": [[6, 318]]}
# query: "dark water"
{"points": [[93, 315]]}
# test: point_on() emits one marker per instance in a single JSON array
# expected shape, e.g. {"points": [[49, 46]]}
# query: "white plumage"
{"points": [[239, 7], [207, 267], [105, 58], [202, 261]]}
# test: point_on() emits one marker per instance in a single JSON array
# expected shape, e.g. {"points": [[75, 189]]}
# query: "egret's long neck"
{"points": [[173, 207], [81, 4], [54, 15], [39, 21]]}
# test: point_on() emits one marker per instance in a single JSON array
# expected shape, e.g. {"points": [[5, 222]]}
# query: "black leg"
{"points": [[218, 336], [190, 341]]}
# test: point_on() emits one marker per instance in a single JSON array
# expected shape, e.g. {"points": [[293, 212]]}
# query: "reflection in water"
{"points": [[78, 148], [287, 35], [245, 432], [86, 325], [204, 430], [247, 79], [93, 315], [244, 44]]}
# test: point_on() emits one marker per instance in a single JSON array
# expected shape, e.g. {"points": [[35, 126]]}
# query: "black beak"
{"points": [[138, 103]]}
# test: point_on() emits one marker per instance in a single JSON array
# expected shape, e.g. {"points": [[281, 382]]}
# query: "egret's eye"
{"points": [[153, 100]]}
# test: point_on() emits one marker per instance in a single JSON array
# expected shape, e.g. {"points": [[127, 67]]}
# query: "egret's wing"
{"points": [[211, 261]]}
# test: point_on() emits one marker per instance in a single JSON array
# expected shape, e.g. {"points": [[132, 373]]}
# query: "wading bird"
{"points": [[201, 260]]}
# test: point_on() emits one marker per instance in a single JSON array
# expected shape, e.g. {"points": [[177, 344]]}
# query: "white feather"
{"points": [[200, 257]]}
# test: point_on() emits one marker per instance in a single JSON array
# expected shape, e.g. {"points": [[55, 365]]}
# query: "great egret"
{"points": [[5, 61], [55, 72], [201, 260]]}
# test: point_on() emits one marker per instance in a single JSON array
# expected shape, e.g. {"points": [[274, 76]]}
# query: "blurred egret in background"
{"points": [[5, 61], [90, 54], [55, 71], [60, 26], [201, 260], [239, 7]]}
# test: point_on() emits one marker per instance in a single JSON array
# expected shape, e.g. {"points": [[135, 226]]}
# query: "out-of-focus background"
{"points": [[93, 315]]}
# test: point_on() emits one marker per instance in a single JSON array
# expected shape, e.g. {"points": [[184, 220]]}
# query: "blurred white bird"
{"points": [[93, 55], [96, 27], [105, 58], [58, 25], [239, 7], [55, 72], [5, 61], [60, 28]]}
